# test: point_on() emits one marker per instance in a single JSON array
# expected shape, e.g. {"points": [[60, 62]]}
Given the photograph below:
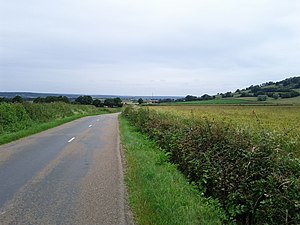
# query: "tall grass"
{"points": [[284, 119], [255, 175]]}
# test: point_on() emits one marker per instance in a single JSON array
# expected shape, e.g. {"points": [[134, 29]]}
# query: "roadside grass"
{"points": [[39, 127], [158, 193]]}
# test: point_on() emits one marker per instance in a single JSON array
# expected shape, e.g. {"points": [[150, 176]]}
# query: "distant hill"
{"points": [[287, 88], [282, 92], [32, 95]]}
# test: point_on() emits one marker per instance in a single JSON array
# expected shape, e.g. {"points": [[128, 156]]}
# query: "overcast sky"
{"points": [[140, 47]]}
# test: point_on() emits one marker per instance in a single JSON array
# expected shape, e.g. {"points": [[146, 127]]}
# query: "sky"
{"points": [[145, 47]]}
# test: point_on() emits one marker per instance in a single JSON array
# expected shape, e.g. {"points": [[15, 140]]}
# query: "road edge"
{"points": [[128, 214]]}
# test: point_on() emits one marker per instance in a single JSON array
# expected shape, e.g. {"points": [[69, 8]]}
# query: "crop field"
{"points": [[229, 101], [290, 101], [284, 119], [241, 101]]}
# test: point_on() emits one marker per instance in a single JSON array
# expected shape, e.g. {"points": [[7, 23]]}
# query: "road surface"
{"points": [[71, 174]]}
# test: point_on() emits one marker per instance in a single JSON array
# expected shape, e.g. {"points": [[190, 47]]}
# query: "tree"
{"points": [[84, 100], [262, 98], [118, 102], [17, 99], [275, 96], [39, 100], [140, 101], [113, 102], [108, 102], [255, 88], [63, 99], [97, 103], [206, 97], [227, 94], [189, 98], [50, 99], [244, 94], [3, 99]]}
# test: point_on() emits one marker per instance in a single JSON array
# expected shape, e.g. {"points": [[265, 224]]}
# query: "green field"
{"points": [[285, 101], [241, 101], [217, 102]]}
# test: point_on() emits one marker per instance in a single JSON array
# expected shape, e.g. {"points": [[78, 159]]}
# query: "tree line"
{"points": [[81, 100], [281, 89]]}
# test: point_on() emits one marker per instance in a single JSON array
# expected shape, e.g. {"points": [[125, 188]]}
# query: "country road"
{"points": [[71, 174]]}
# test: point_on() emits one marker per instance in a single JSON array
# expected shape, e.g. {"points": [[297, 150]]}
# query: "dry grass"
{"points": [[274, 118]]}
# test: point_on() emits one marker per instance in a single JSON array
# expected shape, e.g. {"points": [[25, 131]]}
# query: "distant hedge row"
{"points": [[254, 176], [17, 116]]}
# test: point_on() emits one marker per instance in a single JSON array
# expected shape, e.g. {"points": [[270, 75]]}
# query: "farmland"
{"points": [[240, 101], [285, 119], [229, 101]]}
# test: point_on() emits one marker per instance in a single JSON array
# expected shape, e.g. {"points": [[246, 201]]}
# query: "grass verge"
{"points": [[39, 127], [158, 193]]}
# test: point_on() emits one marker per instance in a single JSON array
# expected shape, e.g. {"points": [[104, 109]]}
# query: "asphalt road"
{"points": [[71, 174]]}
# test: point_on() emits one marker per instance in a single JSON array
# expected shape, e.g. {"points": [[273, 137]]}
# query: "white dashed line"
{"points": [[90, 125], [97, 119], [71, 139]]}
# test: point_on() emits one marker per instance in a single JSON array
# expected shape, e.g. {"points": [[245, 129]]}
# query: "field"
{"points": [[289, 101], [242, 101], [230, 101], [285, 119]]}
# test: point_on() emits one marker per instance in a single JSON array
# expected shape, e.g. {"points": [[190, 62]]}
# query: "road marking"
{"points": [[90, 125], [71, 139], [97, 119]]}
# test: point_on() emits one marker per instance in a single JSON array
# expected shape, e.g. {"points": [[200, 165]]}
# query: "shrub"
{"points": [[262, 98], [15, 116]]}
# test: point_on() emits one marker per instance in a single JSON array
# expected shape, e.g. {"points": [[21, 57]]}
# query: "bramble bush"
{"points": [[17, 116], [13, 117], [252, 174]]}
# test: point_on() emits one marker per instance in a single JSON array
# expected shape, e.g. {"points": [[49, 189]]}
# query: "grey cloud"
{"points": [[129, 46]]}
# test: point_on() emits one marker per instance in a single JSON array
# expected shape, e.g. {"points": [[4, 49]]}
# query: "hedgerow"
{"points": [[252, 174], [18, 116]]}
